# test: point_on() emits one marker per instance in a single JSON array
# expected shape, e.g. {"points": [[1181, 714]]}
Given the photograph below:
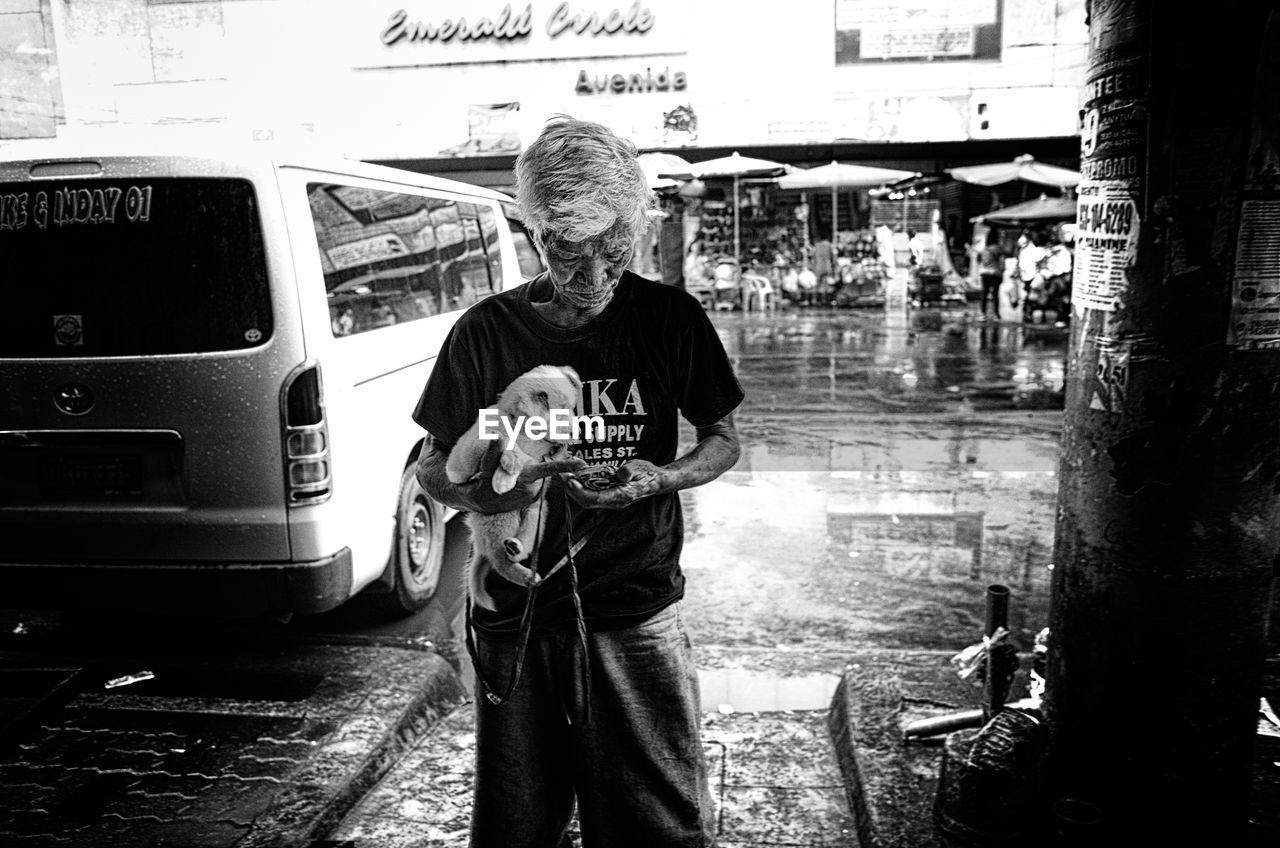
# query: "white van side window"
{"points": [[526, 253], [389, 257], [492, 248], [466, 270]]}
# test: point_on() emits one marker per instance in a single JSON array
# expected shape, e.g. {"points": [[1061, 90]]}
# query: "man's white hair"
{"points": [[578, 180]]}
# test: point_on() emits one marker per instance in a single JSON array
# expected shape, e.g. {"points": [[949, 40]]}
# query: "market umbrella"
{"points": [[1041, 209], [836, 175], [737, 167], [1025, 167], [655, 165]]}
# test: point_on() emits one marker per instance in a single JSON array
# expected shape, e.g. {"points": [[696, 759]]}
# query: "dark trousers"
{"points": [[635, 767], [991, 289]]}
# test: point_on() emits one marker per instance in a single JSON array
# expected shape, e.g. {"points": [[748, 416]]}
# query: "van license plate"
{"points": [[116, 476]]}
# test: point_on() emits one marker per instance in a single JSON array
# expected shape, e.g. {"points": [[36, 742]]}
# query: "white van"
{"points": [[207, 369]]}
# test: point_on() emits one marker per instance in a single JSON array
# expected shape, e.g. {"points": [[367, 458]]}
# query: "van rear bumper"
{"points": [[208, 587]]}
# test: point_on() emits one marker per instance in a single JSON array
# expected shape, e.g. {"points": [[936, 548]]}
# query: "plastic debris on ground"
{"points": [[128, 679]]}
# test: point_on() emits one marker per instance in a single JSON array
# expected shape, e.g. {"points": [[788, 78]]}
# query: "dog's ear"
{"points": [[569, 387]]}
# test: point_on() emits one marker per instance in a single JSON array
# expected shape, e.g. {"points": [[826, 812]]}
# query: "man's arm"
{"points": [[715, 453], [478, 495]]}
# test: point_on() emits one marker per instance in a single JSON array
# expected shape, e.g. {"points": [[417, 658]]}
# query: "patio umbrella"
{"points": [[1041, 209], [836, 175], [656, 164], [1025, 167], [737, 167]]}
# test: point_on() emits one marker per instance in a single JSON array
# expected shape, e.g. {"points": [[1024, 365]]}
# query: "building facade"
{"points": [[462, 84]]}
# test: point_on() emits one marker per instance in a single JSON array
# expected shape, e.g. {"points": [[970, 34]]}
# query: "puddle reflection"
{"points": [[739, 690], [858, 361]]}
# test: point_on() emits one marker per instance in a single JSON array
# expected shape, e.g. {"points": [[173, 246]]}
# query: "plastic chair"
{"points": [[763, 295]]}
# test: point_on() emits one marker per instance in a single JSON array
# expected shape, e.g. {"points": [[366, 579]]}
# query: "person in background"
{"points": [[1010, 299], [1055, 268], [1029, 255], [791, 284], [991, 272], [779, 266], [823, 268], [808, 282], [696, 271], [606, 714], [916, 245], [344, 323]]}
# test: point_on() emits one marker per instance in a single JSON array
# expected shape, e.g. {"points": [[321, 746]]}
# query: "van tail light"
{"points": [[306, 438]]}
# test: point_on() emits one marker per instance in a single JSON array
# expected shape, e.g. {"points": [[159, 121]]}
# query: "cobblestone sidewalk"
{"points": [[776, 782], [265, 749]]}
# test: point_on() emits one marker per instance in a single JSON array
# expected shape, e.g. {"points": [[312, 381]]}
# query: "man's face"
{"points": [[585, 273]]}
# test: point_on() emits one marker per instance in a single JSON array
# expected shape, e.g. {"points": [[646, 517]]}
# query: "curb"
{"points": [[890, 786], [315, 807]]}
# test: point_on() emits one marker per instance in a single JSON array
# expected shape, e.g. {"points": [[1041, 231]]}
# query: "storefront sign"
{"points": [[663, 80], [509, 24], [506, 26], [917, 30], [564, 19]]}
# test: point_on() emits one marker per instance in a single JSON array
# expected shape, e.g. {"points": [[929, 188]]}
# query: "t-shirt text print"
{"points": [[623, 413]]}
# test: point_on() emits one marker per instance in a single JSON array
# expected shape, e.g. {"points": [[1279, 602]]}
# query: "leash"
{"points": [[526, 617]]}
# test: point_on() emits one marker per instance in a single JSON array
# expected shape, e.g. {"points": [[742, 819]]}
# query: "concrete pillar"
{"points": [[1168, 522]]}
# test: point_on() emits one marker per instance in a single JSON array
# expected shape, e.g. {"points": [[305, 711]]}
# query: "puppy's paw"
{"points": [[510, 464]]}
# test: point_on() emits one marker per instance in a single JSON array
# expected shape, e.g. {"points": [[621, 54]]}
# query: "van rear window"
{"points": [[131, 267]]}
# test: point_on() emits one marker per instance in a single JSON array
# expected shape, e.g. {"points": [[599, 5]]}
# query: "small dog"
{"points": [[506, 538]]}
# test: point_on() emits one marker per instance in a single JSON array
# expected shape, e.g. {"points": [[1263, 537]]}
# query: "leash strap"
{"points": [[526, 618], [583, 708]]}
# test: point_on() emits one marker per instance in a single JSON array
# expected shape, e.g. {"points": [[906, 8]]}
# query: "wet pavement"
{"points": [[215, 737], [889, 474], [855, 361]]}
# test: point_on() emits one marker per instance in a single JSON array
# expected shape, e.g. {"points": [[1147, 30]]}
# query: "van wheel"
{"points": [[419, 551]]}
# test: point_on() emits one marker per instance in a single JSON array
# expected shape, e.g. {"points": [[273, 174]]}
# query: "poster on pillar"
{"points": [[1107, 231], [1255, 302], [1255, 308], [1114, 127]]}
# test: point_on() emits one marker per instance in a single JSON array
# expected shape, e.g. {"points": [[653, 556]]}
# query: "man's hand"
{"points": [[483, 499], [636, 479], [477, 494]]}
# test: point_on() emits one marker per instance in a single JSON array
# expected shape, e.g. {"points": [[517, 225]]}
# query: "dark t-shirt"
{"points": [[651, 354]]}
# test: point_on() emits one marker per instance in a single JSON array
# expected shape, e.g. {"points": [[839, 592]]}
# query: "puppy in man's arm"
{"points": [[505, 540]]}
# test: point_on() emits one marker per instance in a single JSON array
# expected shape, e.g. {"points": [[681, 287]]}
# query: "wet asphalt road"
{"points": [[890, 470], [889, 474]]}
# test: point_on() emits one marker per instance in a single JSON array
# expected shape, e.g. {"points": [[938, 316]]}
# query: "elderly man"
{"points": [[606, 707]]}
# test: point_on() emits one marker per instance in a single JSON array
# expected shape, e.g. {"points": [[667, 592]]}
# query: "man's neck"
{"points": [[566, 316]]}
